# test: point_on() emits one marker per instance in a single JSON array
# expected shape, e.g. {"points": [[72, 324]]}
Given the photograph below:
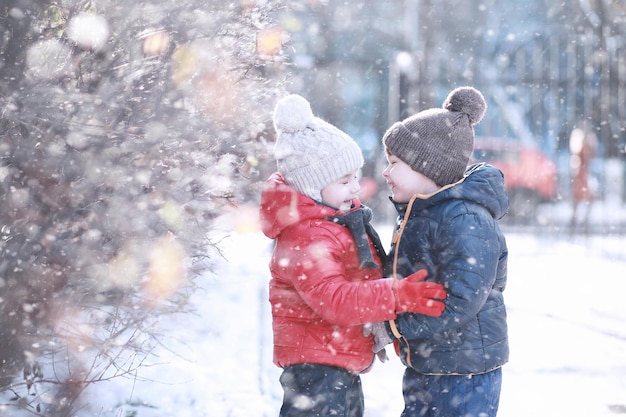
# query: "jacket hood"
{"points": [[483, 184], [282, 207]]}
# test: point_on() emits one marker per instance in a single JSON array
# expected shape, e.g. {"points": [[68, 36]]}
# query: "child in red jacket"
{"points": [[326, 267]]}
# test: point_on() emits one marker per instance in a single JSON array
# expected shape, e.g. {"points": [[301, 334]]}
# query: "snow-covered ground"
{"points": [[566, 309]]}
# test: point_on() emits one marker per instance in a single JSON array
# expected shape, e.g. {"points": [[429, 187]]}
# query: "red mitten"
{"points": [[413, 295]]}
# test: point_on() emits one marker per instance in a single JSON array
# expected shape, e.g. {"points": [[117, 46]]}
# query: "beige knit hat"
{"points": [[311, 153], [439, 142]]}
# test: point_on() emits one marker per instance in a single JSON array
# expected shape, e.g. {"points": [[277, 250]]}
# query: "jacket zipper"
{"points": [[396, 240]]}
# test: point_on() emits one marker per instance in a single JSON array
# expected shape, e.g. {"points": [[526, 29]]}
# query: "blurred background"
{"points": [[547, 69]]}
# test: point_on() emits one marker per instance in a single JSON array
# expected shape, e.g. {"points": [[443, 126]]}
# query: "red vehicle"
{"points": [[530, 176]]}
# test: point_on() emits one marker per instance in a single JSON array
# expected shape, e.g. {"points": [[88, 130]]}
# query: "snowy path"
{"points": [[566, 324], [566, 318]]}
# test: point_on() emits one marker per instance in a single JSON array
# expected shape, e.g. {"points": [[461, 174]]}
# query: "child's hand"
{"points": [[382, 355], [381, 338], [414, 295]]}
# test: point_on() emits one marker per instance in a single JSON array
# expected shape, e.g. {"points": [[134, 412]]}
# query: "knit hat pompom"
{"points": [[467, 100], [292, 114]]}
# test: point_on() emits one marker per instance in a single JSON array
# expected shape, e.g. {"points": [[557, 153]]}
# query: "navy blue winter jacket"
{"points": [[454, 235]]}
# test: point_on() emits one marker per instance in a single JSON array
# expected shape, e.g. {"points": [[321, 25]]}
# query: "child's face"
{"points": [[404, 182], [339, 194]]}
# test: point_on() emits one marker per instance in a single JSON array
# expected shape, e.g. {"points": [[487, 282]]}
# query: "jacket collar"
{"points": [[482, 184], [282, 207]]}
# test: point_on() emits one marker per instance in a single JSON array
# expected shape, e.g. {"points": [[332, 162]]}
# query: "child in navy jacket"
{"points": [[446, 223]]}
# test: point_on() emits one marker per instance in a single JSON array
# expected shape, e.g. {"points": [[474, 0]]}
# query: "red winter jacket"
{"points": [[320, 296]]}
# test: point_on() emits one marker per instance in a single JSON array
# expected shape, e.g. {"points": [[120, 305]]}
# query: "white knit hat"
{"points": [[311, 153]]}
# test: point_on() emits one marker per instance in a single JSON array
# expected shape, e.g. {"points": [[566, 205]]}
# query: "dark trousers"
{"points": [[312, 390], [451, 395]]}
